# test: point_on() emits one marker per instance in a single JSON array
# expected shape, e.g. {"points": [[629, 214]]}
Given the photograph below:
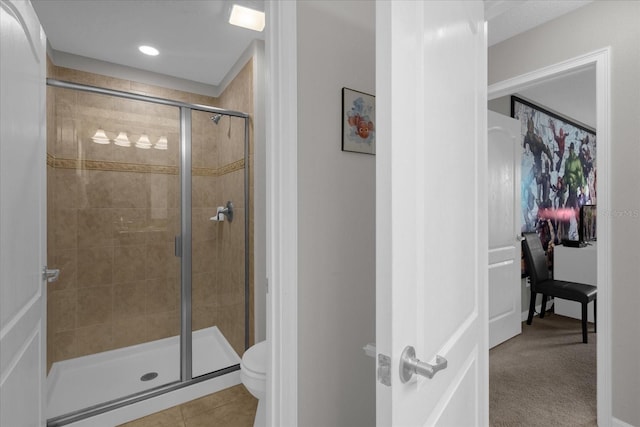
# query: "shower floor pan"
{"points": [[78, 383]]}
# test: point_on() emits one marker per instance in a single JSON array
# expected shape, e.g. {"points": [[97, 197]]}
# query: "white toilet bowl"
{"points": [[253, 374]]}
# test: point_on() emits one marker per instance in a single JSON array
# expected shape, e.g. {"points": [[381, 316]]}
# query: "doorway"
{"points": [[599, 61]]}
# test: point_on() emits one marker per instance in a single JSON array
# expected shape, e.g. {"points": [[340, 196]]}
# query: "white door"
{"points": [[431, 211], [22, 215], [505, 300]]}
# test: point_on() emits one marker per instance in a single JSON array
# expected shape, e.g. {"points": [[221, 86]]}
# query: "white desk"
{"points": [[575, 265]]}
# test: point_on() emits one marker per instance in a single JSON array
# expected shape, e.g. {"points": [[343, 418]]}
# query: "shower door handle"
{"points": [[178, 246], [50, 274]]}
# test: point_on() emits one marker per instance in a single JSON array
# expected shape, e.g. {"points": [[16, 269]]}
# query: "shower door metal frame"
{"points": [[183, 250]]}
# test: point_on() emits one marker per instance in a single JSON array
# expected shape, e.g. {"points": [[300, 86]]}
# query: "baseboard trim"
{"points": [[618, 423]]}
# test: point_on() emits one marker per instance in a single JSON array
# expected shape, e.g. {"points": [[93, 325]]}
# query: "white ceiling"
{"points": [[196, 42], [508, 18], [194, 38]]}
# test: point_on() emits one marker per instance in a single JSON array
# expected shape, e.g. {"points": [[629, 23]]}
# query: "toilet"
{"points": [[253, 374]]}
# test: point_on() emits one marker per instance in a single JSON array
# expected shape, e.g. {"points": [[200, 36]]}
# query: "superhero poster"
{"points": [[558, 171], [358, 121]]}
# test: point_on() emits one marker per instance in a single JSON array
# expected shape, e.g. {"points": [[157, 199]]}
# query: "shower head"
{"points": [[216, 118]]}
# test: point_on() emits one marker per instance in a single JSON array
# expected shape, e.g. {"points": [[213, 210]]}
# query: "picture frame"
{"points": [[358, 121], [558, 171]]}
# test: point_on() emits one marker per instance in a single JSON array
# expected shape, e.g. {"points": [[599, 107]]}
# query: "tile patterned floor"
{"points": [[233, 407]]}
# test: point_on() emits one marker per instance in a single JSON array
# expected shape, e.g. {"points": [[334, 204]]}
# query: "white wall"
{"points": [[595, 26], [336, 202], [259, 192]]}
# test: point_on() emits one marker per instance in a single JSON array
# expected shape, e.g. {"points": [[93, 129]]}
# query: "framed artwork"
{"points": [[558, 171], [358, 121]]}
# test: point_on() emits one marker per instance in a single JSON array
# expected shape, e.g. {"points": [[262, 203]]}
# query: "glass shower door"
{"points": [[113, 212], [219, 293]]}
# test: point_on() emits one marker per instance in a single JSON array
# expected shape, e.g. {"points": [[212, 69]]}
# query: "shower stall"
{"points": [[148, 223]]}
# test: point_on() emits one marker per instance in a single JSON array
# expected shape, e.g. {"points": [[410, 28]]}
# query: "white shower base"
{"points": [[89, 380]]}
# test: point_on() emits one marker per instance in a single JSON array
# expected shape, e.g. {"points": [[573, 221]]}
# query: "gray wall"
{"points": [[336, 217], [598, 25], [501, 105]]}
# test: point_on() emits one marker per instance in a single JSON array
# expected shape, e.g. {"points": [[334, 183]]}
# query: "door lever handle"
{"points": [[410, 365]]}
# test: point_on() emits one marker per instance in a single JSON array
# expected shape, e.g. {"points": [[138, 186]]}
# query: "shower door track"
{"points": [[101, 408], [183, 247]]}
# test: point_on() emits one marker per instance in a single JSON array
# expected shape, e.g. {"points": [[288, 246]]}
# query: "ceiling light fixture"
{"points": [[247, 18], [148, 50]]}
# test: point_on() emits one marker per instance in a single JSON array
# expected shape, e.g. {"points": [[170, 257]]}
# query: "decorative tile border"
{"points": [[231, 167], [100, 165]]}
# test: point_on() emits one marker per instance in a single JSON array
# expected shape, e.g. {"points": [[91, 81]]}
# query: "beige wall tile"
{"points": [[65, 228], [160, 260], [129, 226], [239, 93], [129, 331], [95, 267], [195, 98], [64, 346], [94, 306], [97, 188], [203, 317], [203, 256], [66, 260], [129, 302], [131, 190], [203, 228], [89, 150], [92, 79], [62, 305], [129, 263], [231, 324], [162, 325], [204, 192], [95, 228], [66, 144], [160, 189], [162, 295], [94, 339], [204, 289], [66, 189]]}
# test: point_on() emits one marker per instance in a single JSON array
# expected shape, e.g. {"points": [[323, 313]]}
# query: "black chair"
{"points": [[541, 282]]}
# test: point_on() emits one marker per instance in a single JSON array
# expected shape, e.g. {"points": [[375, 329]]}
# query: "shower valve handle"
{"points": [[228, 211]]}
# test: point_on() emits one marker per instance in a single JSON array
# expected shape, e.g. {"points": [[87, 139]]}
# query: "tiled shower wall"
{"points": [[113, 213]]}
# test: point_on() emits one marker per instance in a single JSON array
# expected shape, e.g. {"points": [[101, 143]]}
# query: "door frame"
{"points": [[281, 213], [600, 59]]}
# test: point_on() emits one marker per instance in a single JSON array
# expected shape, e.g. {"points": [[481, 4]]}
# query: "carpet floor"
{"points": [[545, 376]]}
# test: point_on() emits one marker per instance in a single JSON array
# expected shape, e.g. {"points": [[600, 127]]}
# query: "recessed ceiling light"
{"points": [[148, 50], [247, 18]]}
